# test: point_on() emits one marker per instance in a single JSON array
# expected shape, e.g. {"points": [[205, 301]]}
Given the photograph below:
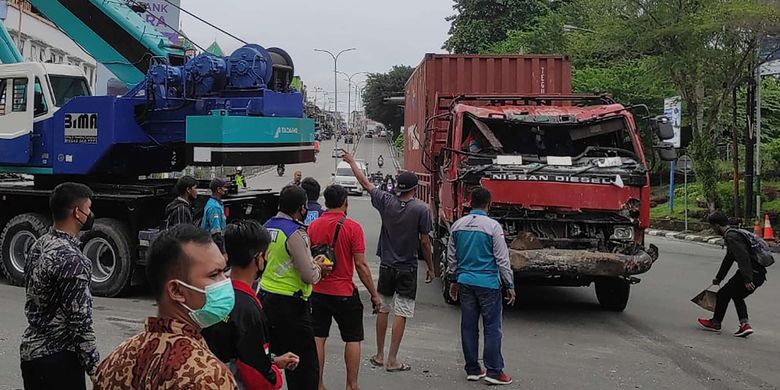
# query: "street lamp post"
{"points": [[336, 85], [349, 94]]}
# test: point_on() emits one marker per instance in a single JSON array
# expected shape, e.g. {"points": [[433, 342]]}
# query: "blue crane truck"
{"points": [[201, 111]]}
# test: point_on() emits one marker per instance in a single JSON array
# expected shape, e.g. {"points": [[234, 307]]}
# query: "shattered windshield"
{"points": [[576, 140]]}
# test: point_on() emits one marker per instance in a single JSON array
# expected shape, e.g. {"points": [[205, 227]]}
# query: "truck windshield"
{"points": [[67, 87], [544, 139]]}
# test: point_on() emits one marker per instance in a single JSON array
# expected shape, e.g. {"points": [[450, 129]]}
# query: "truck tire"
{"points": [[108, 246], [441, 259], [612, 293], [16, 240]]}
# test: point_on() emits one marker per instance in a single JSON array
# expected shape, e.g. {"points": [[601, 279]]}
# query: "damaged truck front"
{"points": [[567, 174]]}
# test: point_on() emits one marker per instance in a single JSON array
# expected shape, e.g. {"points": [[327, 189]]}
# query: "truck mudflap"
{"points": [[550, 261]]}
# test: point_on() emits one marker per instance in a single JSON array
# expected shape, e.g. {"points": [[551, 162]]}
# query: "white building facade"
{"points": [[39, 40]]}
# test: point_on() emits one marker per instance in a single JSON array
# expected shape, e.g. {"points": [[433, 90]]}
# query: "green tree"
{"points": [[702, 47], [479, 24], [381, 86]]}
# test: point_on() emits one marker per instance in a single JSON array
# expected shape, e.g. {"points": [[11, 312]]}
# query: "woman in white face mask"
{"points": [[186, 273]]}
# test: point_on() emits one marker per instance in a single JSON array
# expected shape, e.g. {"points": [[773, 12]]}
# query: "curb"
{"points": [[711, 240]]}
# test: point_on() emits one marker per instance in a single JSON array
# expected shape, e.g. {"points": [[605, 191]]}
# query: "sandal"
{"points": [[404, 367], [374, 362]]}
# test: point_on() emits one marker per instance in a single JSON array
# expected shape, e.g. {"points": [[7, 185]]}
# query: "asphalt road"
{"points": [[555, 338]]}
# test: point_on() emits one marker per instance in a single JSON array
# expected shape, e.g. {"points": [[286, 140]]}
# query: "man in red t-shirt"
{"points": [[335, 296]]}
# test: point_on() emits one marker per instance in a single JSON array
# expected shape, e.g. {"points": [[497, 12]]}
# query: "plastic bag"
{"points": [[706, 299]]}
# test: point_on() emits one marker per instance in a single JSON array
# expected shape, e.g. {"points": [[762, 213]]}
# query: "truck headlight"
{"points": [[623, 233]]}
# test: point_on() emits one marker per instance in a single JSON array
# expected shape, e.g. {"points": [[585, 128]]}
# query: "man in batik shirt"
{"points": [[186, 273]]}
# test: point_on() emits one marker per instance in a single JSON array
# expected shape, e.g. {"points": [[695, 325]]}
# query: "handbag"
{"points": [[329, 251], [706, 299]]}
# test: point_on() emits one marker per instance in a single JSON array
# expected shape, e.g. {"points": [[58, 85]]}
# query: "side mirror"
{"points": [[666, 151], [662, 127]]}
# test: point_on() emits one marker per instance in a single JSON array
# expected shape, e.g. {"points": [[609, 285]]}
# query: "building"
{"points": [[39, 40]]}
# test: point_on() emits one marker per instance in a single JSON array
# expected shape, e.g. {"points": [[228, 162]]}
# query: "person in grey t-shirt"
{"points": [[406, 222]]}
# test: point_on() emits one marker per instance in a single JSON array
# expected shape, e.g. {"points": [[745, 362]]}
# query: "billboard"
{"points": [[673, 111], [159, 14]]}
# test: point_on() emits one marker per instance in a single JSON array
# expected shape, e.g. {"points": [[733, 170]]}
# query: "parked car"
{"points": [[383, 133], [349, 139]]}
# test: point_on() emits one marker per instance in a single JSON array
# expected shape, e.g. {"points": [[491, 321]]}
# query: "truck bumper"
{"points": [[558, 262]]}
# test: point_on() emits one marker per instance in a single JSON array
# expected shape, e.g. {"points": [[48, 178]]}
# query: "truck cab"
{"points": [[569, 185], [35, 92]]}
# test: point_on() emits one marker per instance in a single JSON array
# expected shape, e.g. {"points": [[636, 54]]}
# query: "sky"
{"points": [[385, 33]]}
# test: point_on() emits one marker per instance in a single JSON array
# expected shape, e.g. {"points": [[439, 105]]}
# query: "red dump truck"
{"points": [[567, 172]]}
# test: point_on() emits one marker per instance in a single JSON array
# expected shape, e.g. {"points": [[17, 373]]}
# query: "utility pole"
{"points": [[758, 141], [336, 91]]}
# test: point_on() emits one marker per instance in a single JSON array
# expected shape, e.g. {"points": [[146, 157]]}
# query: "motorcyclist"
{"points": [[380, 161], [280, 169], [389, 183]]}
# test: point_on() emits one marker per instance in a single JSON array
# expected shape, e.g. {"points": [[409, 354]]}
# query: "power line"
{"points": [[206, 22], [161, 20]]}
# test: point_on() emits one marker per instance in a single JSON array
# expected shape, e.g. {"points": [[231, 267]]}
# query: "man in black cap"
{"points": [[214, 219], [406, 222]]}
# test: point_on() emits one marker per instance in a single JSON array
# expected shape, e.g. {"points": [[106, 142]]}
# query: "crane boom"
{"points": [[112, 33], [9, 53]]}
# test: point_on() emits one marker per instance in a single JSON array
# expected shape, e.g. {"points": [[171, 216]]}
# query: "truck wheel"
{"points": [[612, 293], [18, 237], [442, 271], [107, 245]]}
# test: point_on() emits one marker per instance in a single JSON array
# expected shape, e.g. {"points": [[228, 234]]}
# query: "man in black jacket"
{"points": [[180, 209], [242, 340], [748, 277]]}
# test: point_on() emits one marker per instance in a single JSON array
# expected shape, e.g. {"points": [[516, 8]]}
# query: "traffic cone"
{"points": [[757, 229], [769, 234]]}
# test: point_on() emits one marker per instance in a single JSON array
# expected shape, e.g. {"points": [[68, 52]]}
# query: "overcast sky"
{"points": [[385, 33]]}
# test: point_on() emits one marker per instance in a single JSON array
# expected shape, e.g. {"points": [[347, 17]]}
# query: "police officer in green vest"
{"points": [[240, 178], [286, 285]]}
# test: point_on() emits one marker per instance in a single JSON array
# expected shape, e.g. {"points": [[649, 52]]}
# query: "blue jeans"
{"points": [[476, 301]]}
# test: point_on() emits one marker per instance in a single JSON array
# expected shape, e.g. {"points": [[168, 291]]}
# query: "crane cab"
{"points": [[32, 92]]}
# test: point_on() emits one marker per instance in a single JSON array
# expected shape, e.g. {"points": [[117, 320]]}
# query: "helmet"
{"points": [[239, 169]]}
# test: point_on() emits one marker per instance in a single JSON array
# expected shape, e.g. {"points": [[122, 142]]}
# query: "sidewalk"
{"points": [[712, 240]]}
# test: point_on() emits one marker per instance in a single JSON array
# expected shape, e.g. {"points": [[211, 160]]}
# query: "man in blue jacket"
{"points": [[214, 219], [477, 264]]}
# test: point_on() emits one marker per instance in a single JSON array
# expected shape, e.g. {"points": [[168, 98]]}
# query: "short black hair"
{"points": [[243, 240], [480, 198], [312, 188], [291, 199], [65, 197], [165, 259], [183, 184], [718, 218], [335, 196]]}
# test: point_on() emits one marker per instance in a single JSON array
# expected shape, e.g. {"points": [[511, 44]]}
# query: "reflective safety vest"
{"points": [[240, 181], [280, 275]]}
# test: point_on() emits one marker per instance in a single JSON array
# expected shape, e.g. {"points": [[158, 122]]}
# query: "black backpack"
{"points": [[761, 249]]}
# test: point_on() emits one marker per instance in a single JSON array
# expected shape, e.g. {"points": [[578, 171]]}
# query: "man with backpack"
{"points": [[750, 254]]}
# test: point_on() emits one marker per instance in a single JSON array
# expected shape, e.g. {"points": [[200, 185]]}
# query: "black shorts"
{"points": [[348, 312], [397, 281]]}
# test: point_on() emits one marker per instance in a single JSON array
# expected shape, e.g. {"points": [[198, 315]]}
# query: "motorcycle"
{"points": [[377, 179], [280, 169]]}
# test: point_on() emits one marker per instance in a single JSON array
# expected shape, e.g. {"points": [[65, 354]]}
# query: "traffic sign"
{"points": [[684, 164]]}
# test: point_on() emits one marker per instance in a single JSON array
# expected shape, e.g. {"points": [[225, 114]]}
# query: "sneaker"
{"points": [[744, 331], [476, 377], [709, 325], [502, 379]]}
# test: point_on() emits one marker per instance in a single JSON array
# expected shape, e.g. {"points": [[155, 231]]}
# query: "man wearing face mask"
{"points": [[287, 284], [180, 209], [242, 341], [214, 218], [58, 346], [186, 274]]}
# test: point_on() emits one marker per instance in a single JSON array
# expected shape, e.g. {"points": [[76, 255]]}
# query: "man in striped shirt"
{"points": [[477, 264]]}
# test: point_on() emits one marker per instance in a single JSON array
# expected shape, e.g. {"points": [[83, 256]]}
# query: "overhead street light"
{"points": [[336, 86]]}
